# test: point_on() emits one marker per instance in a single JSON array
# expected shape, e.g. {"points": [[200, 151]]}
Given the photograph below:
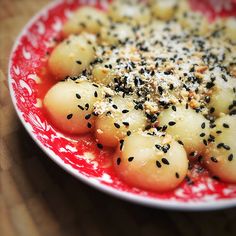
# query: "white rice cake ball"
{"points": [[86, 19], [132, 12], [102, 74], [220, 157], [120, 120], [71, 56], [186, 126], [194, 22], [223, 97], [230, 27], [69, 105], [141, 162], [117, 33], [163, 9]]}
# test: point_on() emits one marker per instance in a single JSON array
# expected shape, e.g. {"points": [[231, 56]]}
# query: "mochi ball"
{"points": [[220, 156], [69, 106], [85, 19], [133, 12], [151, 162], [187, 126], [72, 56], [119, 119], [163, 9]]}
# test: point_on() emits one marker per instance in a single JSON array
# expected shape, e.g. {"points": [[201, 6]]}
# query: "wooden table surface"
{"points": [[38, 198]]}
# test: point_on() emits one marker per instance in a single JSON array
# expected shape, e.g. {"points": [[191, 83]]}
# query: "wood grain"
{"points": [[39, 198]]}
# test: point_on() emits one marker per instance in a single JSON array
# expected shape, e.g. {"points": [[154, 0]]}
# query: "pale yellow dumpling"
{"points": [[195, 22], [119, 121], [117, 33], [220, 157], [187, 126], [163, 9], [69, 105], [72, 56], [86, 19], [102, 74], [129, 11], [230, 27], [141, 162], [221, 101]]}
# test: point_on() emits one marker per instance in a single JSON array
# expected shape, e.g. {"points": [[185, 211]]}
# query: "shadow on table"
{"points": [[62, 205]]}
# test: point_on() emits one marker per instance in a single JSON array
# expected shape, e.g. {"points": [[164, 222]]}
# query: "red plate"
{"points": [[79, 155]]}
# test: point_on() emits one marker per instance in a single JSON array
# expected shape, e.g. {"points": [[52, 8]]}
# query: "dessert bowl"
{"points": [[79, 155]]}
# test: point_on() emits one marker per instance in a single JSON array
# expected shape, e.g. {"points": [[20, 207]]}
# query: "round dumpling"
{"points": [[151, 162], [86, 19], [119, 120], [192, 21], [69, 105], [72, 56], [163, 9], [129, 11], [230, 26], [223, 97], [102, 74], [117, 33], [186, 126], [220, 157]]}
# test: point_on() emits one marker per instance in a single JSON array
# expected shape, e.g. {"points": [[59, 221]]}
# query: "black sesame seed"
{"points": [[226, 147], [165, 148], [225, 125], [79, 62], [80, 107], [203, 125], [213, 159], [209, 85], [125, 123], [207, 99], [69, 116], [173, 108], [128, 133], [230, 157], [204, 142], [172, 123], [86, 106], [130, 159], [177, 175], [114, 106], [158, 164], [95, 94], [95, 85], [164, 128], [218, 131], [158, 146], [180, 142], [202, 134], [121, 144], [118, 161], [78, 96], [212, 110], [125, 111], [89, 125], [117, 125], [87, 117], [165, 161], [99, 145]]}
